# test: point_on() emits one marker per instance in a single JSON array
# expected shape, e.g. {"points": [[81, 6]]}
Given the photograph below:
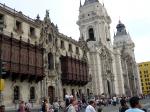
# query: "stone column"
{"points": [[112, 85], [127, 81], [105, 84]]}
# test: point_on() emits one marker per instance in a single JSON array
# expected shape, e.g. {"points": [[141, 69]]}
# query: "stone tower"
{"points": [[94, 26], [94, 22], [125, 45]]}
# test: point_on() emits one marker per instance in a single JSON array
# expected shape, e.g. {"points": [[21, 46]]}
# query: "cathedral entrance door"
{"points": [[51, 96], [108, 87]]}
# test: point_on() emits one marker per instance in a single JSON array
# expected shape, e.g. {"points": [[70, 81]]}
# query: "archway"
{"points": [[51, 95], [91, 35], [108, 88]]}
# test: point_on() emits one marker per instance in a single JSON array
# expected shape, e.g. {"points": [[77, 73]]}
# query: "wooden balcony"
{"points": [[74, 72], [23, 60]]}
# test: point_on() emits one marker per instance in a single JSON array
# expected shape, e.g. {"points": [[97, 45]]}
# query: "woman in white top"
{"points": [[91, 106]]}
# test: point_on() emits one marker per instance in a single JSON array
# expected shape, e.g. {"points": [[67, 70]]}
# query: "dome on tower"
{"points": [[120, 26], [121, 29]]}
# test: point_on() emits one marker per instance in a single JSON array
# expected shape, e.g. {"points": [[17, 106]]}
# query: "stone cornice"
{"points": [[85, 20]]}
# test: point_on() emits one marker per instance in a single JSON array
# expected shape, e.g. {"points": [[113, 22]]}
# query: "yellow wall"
{"points": [[144, 70]]}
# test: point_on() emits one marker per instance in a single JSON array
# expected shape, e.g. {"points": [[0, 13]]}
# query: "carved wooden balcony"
{"points": [[23, 60]]}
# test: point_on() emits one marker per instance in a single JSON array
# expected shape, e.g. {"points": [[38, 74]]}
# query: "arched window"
{"points": [[91, 35], [50, 61], [50, 37], [16, 93], [32, 93]]}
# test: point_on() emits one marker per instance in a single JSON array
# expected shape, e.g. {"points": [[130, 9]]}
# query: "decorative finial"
{"points": [[80, 4], [119, 20], [47, 13], [38, 17]]}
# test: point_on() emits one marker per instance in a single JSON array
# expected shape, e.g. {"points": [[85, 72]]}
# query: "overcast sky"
{"points": [[133, 13]]}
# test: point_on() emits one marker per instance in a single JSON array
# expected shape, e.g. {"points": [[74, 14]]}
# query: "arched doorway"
{"points": [[109, 88], [32, 93], [51, 94]]}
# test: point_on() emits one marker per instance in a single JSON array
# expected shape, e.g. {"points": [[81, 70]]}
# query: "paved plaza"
{"points": [[111, 108]]}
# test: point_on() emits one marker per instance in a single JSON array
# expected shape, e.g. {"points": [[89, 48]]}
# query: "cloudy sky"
{"points": [[133, 13]]}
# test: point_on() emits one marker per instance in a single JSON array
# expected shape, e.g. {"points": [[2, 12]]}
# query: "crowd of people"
{"points": [[25, 106], [73, 104], [94, 104]]}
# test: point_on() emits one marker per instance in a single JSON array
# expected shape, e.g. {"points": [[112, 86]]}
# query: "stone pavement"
{"points": [[111, 108]]}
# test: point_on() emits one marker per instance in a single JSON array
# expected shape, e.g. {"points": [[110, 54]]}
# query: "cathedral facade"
{"points": [[110, 65], [61, 65]]}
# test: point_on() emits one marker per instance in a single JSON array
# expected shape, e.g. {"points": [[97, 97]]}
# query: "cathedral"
{"points": [[42, 62]]}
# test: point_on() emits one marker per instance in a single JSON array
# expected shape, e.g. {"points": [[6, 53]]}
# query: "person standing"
{"points": [[124, 106], [56, 106], [91, 106], [2, 108], [114, 101], [72, 105], [67, 101], [21, 107], [45, 106], [135, 105], [28, 106]]}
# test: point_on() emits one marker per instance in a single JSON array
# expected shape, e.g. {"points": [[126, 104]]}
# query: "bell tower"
{"points": [[94, 26], [94, 22]]}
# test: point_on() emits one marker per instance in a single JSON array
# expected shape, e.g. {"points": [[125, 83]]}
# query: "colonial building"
{"points": [[42, 62], [22, 57], [144, 69]]}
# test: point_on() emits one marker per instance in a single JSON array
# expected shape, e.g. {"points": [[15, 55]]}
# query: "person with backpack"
{"points": [[123, 106]]}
